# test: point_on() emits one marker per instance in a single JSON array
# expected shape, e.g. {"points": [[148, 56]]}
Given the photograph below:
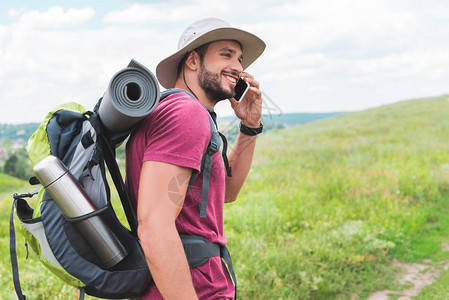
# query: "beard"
{"points": [[211, 84]]}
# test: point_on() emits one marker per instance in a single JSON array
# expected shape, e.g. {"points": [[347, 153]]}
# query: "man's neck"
{"points": [[197, 92]]}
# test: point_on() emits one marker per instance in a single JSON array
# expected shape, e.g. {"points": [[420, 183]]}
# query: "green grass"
{"points": [[326, 208], [330, 203], [8, 183], [438, 290], [37, 282]]}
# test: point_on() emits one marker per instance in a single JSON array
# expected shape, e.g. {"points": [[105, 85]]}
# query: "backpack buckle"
{"points": [[213, 147]]}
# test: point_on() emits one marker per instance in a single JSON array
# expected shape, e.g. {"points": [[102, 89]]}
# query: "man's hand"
{"points": [[249, 109]]}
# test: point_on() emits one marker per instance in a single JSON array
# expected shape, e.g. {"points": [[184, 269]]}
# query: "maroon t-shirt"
{"points": [[178, 132]]}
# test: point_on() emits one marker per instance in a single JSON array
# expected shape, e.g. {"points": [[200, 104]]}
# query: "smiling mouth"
{"points": [[232, 79]]}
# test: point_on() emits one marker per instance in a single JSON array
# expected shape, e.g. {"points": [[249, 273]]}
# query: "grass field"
{"points": [[328, 205]]}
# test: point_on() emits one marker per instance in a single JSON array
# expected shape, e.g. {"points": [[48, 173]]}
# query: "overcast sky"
{"points": [[321, 56]]}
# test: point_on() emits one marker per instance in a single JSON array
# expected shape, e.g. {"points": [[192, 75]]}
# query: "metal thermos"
{"points": [[74, 202]]}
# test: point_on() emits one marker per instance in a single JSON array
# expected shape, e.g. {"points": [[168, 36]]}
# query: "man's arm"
{"points": [[240, 160], [249, 111], [161, 195]]}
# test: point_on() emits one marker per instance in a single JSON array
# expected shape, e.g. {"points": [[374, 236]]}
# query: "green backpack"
{"points": [[78, 138]]}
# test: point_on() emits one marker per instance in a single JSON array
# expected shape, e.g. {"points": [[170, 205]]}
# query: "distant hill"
{"points": [[16, 132], [289, 119], [229, 125]]}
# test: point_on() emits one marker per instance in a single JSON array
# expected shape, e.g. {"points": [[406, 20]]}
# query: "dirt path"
{"points": [[415, 275]]}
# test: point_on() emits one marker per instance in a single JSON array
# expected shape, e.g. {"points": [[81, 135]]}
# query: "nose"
{"points": [[236, 66]]}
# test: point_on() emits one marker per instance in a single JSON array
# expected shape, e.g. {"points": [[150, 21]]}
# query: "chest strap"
{"points": [[198, 251]]}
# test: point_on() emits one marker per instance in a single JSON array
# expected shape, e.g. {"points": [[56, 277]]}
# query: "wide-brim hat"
{"points": [[202, 32]]}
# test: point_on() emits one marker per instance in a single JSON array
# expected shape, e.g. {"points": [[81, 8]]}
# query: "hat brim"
{"points": [[252, 47]]}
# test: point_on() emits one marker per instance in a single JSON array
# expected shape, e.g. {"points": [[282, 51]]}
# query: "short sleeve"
{"points": [[179, 132]]}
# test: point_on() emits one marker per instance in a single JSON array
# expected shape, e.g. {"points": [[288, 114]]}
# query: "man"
{"points": [[168, 148]]}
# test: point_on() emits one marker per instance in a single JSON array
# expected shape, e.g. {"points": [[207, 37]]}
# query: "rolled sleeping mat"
{"points": [[131, 95]]}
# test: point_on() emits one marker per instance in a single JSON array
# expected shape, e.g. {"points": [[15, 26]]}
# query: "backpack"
{"points": [[78, 138]]}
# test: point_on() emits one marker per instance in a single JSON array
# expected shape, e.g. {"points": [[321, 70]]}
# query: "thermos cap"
{"points": [[49, 169]]}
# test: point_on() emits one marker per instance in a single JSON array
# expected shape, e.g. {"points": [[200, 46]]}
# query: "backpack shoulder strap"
{"points": [[109, 157], [206, 166], [13, 254], [169, 92], [206, 162]]}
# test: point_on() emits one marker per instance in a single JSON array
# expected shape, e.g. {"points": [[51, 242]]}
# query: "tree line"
{"points": [[18, 165]]}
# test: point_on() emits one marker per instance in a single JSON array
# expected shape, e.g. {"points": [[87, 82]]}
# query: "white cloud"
{"points": [[55, 17], [337, 49], [138, 13], [321, 55], [167, 12], [43, 68]]}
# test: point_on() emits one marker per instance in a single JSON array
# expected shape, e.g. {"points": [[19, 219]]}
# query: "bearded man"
{"points": [[168, 149]]}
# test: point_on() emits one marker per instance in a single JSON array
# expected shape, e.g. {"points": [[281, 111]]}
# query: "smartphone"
{"points": [[240, 89]]}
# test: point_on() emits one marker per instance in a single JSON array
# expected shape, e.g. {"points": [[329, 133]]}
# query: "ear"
{"points": [[193, 60]]}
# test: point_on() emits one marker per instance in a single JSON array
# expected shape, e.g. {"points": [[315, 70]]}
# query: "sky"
{"points": [[321, 56]]}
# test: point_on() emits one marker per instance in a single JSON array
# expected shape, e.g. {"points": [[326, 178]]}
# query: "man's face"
{"points": [[220, 69]]}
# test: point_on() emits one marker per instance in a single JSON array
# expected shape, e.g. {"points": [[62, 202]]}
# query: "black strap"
{"points": [[82, 293], [224, 154], [87, 216], [109, 157], [13, 254], [198, 250], [226, 256], [213, 147], [205, 189]]}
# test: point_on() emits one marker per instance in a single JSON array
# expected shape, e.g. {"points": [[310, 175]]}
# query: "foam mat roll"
{"points": [[131, 95]]}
